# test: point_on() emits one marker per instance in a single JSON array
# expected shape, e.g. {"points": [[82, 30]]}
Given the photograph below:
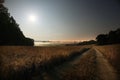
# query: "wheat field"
{"points": [[22, 61]]}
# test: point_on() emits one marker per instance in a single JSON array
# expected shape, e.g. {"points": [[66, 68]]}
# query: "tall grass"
{"points": [[19, 63]]}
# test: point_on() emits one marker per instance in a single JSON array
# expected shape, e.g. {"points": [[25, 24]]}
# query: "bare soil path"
{"points": [[91, 65], [105, 69]]}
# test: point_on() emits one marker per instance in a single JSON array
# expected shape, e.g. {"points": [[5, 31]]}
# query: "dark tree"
{"points": [[113, 37], [102, 39], [10, 33], [118, 35]]}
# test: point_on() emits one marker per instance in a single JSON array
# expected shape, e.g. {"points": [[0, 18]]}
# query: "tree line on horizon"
{"points": [[10, 33], [113, 37]]}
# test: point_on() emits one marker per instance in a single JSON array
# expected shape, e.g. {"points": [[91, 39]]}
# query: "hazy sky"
{"points": [[65, 19]]}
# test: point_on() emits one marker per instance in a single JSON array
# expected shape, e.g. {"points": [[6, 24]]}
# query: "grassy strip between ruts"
{"points": [[112, 53]]}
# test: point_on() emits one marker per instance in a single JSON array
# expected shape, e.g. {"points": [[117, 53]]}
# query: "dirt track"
{"points": [[91, 65], [105, 70]]}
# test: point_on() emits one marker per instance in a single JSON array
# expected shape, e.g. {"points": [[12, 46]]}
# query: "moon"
{"points": [[32, 18]]}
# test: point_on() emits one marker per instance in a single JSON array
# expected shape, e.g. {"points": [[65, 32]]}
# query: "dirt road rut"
{"points": [[91, 65]]}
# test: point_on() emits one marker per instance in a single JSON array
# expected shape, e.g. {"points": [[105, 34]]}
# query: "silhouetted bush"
{"points": [[112, 37], [102, 39], [10, 33]]}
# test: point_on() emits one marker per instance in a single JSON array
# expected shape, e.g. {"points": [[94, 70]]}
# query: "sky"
{"points": [[65, 19]]}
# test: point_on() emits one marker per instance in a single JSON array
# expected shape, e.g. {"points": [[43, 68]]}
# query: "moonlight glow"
{"points": [[32, 18], [64, 19]]}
